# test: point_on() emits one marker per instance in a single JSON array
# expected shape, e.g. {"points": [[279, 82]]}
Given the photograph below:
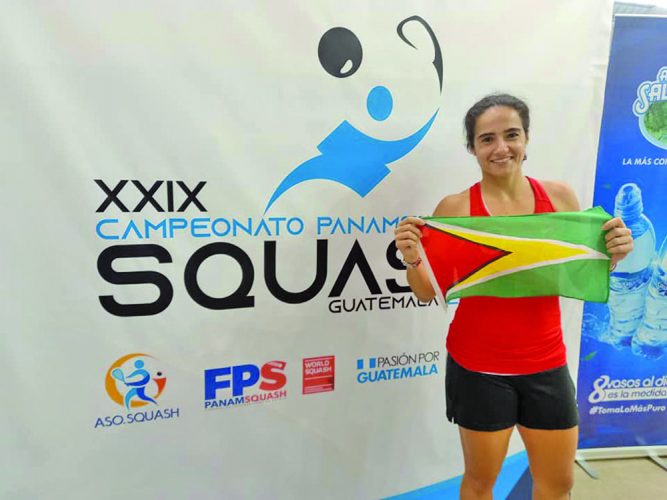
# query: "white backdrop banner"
{"points": [[200, 294]]}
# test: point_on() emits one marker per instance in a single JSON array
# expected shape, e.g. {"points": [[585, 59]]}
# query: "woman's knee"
{"points": [[479, 483], [554, 485]]}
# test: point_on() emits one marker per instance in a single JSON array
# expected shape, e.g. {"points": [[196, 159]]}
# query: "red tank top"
{"points": [[507, 336]]}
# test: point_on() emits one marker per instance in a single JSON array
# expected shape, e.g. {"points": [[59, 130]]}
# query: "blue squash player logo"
{"points": [[347, 155]]}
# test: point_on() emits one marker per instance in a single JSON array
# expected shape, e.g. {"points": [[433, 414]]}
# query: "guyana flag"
{"points": [[559, 253]]}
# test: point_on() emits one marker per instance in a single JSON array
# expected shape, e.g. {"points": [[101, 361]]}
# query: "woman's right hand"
{"points": [[406, 236]]}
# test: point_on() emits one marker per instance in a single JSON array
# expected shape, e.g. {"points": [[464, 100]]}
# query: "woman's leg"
{"points": [[551, 457], [483, 454], [548, 420]]}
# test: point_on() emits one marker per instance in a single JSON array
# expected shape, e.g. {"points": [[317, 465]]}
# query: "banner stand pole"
{"points": [[588, 468], [583, 457], [657, 459]]}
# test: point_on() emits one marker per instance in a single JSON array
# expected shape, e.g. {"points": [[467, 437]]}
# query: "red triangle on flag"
{"points": [[454, 258]]}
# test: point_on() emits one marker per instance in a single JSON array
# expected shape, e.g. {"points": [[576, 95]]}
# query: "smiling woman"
{"points": [[506, 363]]}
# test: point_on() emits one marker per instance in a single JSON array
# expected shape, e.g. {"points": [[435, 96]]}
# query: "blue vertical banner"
{"points": [[622, 385]]}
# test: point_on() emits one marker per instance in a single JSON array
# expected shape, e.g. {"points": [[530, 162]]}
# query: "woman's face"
{"points": [[500, 141]]}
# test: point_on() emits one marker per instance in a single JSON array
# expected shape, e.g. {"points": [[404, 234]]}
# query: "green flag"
{"points": [[556, 253]]}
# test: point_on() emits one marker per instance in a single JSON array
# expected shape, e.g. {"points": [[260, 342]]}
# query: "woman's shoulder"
{"points": [[454, 205], [562, 196]]}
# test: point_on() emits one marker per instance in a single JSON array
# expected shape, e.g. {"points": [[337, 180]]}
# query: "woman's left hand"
{"points": [[619, 240]]}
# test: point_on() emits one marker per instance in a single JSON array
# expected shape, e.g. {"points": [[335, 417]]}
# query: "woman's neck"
{"points": [[506, 196], [510, 187]]}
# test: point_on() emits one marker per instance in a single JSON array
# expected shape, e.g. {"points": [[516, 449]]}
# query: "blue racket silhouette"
{"points": [[118, 374]]}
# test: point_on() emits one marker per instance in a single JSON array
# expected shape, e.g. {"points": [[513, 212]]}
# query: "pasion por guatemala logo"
{"points": [[395, 367], [348, 156], [650, 108]]}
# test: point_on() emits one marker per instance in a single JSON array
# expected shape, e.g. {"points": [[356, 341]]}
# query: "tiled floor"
{"points": [[621, 479]]}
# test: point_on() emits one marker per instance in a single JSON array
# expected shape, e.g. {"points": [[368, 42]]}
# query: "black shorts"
{"points": [[483, 402]]}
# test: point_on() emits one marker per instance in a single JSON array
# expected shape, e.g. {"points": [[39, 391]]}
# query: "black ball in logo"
{"points": [[340, 52]]}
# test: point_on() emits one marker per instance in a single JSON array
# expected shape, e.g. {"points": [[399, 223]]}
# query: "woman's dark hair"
{"points": [[490, 101]]}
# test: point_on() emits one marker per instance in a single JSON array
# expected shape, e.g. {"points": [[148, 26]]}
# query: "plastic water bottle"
{"points": [[651, 338], [595, 322], [630, 279]]}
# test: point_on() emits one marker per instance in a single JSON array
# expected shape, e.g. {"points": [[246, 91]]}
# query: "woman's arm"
{"points": [[408, 233], [407, 236]]}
